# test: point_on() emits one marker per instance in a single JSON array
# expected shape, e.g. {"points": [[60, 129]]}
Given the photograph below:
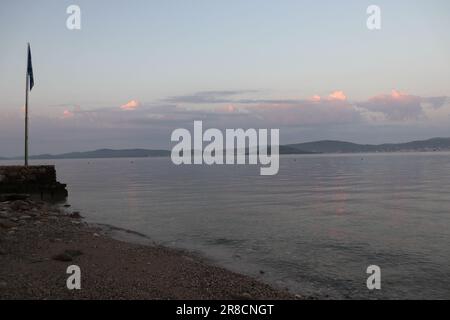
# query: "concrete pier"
{"points": [[34, 180]]}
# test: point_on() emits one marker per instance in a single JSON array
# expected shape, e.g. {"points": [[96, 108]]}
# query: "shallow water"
{"points": [[314, 228]]}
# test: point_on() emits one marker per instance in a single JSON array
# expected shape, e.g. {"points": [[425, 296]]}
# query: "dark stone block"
{"points": [[40, 180]]}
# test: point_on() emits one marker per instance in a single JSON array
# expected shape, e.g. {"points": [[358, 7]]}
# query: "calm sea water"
{"points": [[314, 228]]}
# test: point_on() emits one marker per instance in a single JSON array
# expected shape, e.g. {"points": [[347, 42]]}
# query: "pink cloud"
{"points": [[397, 94], [396, 106], [67, 114], [315, 98], [306, 112], [131, 105], [231, 108], [338, 95]]}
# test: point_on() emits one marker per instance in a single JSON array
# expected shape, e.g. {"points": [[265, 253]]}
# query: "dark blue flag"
{"points": [[30, 69]]}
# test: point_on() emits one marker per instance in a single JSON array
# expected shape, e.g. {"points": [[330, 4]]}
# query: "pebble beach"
{"points": [[39, 241]]}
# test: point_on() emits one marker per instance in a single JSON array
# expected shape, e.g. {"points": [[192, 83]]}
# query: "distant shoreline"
{"points": [[281, 154], [316, 147]]}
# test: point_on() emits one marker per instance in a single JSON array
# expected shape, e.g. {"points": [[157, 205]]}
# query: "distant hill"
{"points": [[325, 146], [106, 153], [291, 150], [282, 150], [330, 146]]}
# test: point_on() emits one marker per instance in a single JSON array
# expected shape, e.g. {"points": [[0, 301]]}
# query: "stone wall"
{"points": [[31, 179]]}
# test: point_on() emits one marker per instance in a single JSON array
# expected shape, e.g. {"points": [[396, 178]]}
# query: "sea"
{"points": [[314, 228]]}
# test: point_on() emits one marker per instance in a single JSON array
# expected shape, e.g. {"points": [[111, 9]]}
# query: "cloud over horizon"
{"points": [[130, 105], [332, 116], [399, 106]]}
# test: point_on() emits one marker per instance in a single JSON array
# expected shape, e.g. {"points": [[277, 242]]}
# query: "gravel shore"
{"points": [[39, 241]]}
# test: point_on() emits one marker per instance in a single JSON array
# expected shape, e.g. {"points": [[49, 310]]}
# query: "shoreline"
{"points": [[38, 241]]}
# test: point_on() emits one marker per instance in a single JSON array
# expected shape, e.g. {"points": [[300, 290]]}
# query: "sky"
{"points": [[137, 70]]}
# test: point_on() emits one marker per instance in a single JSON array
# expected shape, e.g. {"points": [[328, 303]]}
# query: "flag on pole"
{"points": [[29, 85], [30, 69]]}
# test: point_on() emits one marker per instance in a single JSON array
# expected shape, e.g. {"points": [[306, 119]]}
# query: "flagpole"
{"points": [[26, 112]]}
